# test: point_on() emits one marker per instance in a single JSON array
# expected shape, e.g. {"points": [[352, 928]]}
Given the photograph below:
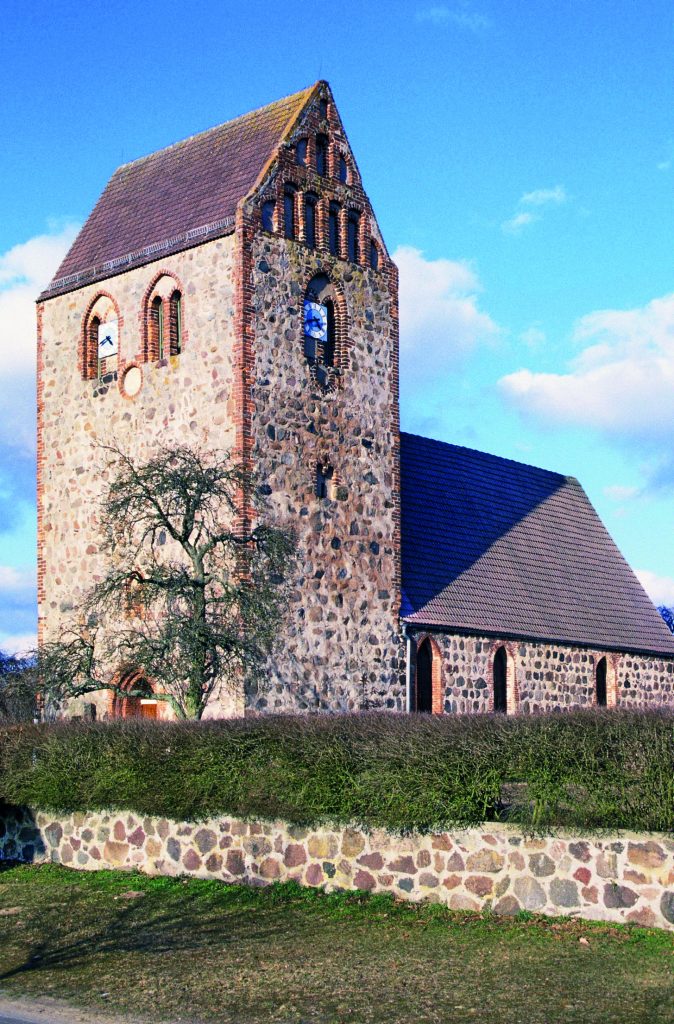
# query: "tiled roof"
{"points": [[494, 546], [176, 197]]}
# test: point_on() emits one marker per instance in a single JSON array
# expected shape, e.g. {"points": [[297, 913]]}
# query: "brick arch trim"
{"points": [[512, 682], [86, 359], [436, 672], [343, 344], [125, 707], [144, 315], [612, 665]]}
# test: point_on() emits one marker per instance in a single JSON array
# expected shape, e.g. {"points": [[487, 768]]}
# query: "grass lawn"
{"points": [[200, 950]]}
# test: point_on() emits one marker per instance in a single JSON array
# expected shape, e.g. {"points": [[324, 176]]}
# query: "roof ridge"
{"points": [[491, 455], [215, 127]]}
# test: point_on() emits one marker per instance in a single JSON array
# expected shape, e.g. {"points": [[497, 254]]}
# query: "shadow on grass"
{"points": [[136, 927]]}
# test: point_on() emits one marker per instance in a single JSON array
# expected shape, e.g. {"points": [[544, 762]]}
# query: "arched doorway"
{"points": [[501, 681], [142, 704], [600, 683], [424, 677]]}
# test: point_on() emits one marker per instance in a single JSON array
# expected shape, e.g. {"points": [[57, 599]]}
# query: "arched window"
{"points": [[374, 255], [333, 228], [600, 688], [323, 108], [343, 169], [268, 215], [322, 330], [176, 323], [157, 328], [353, 245], [289, 212], [93, 360], [424, 677], [501, 681], [301, 153], [310, 220], [322, 155], [99, 339]]}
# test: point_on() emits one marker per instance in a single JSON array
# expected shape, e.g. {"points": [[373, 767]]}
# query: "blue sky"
{"points": [[520, 158]]}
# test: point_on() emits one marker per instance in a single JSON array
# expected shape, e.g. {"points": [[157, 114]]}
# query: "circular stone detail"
{"points": [[132, 381]]}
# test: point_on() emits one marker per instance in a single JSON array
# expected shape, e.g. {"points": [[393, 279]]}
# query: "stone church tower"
{"points": [[233, 291]]}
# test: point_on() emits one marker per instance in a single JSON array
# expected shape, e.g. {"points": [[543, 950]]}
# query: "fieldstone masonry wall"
{"points": [[623, 878], [542, 677]]}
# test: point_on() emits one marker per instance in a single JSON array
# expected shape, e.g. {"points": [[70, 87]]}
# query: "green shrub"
{"points": [[589, 770]]}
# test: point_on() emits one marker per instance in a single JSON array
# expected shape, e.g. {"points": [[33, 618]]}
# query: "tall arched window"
{"points": [[301, 152], [374, 255], [501, 681], [99, 345], [324, 326], [176, 323], [353, 244], [600, 683], [268, 215], [157, 323], [424, 677], [333, 228], [310, 219], [93, 360], [322, 155], [343, 170], [289, 212]]}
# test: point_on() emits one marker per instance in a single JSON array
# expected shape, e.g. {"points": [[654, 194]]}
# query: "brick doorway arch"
{"points": [[145, 706]]}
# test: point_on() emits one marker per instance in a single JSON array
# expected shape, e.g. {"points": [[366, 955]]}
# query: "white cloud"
{"points": [[619, 492], [21, 643], [13, 580], [538, 198], [621, 383], [440, 317], [462, 16], [519, 221], [660, 589], [24, 271], [544, 196]]}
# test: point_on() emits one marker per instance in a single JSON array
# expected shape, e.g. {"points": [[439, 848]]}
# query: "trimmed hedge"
{"points": [[587, 770]]}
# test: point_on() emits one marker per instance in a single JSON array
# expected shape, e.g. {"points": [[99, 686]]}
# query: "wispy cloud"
{"points": [[621, 383], [18, 609], [462, 15], [620, 492], [538, 199]]}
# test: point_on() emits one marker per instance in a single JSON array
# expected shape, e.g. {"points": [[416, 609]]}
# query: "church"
{"points": [[234, 291]]}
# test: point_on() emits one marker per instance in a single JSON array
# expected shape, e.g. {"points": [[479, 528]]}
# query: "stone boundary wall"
{"points": [[621, 878]]}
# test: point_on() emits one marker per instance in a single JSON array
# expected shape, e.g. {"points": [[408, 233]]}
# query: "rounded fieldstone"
{"points": [[530, 893], [564, 893], [507, 907], [406, 884], [485, 860], [295, 855], [667, 906], [205, 840], [541, 865], [364, 880], [618, 896]]}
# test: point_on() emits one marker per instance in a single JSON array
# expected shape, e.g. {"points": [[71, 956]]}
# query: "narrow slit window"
{"points": [[501, 681], [94, 356], [352, 237], [343, 170], [268, 215], [301, 153], [310, 221], [322, 155], [158, 321], [374, 256], [324, 474], [176, 325], [333, 229], [289, 213], [600, 683]]}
